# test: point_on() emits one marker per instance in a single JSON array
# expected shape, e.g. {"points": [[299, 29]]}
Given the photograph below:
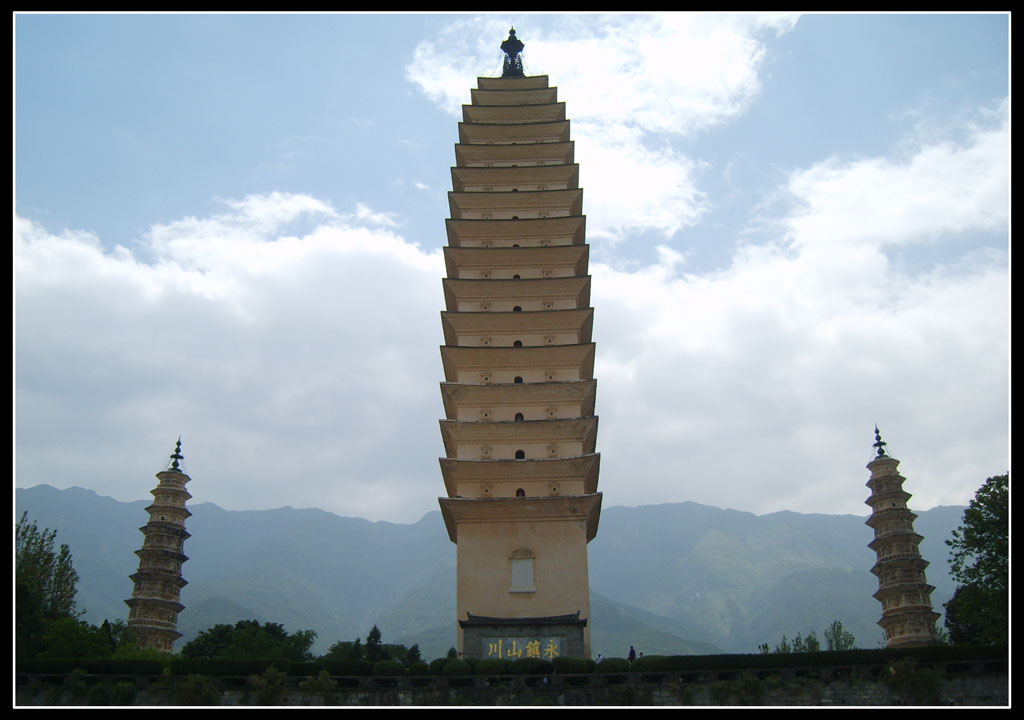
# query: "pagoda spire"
{"points": [[176, 456], [879, 443], [512, 47], [155, 601]]}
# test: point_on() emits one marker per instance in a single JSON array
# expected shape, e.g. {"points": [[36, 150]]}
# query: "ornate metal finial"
{"points": [[513, 66], [177, 456], [879, 443]]}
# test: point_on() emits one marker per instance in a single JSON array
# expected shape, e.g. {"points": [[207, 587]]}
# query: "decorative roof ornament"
{"points": [[176, 457], [513, 65], [879, 443]]}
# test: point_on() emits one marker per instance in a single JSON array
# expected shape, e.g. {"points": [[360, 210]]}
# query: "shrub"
{"points": [[530, 666], [227, 666], [269, 687], [437, 666], [123, 693], [919, 685], [613, 665], [99, 694], [197, 690], [320, 685], [347, 667], [304, 669], [77, 686], [456, 667], [654, 663], [491, 666], [420, 672], [573, 666], [419, 668], [91, 666], [458, 671], [389, 668]]}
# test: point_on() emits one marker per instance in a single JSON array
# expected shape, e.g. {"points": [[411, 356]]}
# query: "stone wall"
{"points": [[911, 685]]}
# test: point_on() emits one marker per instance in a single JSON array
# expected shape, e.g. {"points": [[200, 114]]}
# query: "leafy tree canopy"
{"points": [[44, 586], [249, 639], [374, 651], [43, 573], [808, 644], [346, 650], [978, 612], [69, 637], [980, 546], [836, 638]]}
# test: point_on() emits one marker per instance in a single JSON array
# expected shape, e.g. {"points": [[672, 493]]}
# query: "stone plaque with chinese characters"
{"points": [[513, 648]]}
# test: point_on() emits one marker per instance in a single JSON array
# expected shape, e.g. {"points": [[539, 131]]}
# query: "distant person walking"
{"points": [[632, 654]]}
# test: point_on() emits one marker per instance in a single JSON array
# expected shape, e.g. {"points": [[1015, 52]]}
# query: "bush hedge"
{"points": [[227, 666], [92, 666], [572, 666], [437, 666], [491, 666], [347, 667], [389, 668], [456, 667], [613, 665], [530, 666]]}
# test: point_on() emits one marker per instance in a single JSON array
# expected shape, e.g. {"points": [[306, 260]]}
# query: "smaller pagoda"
{"points": [[155, 602], [907, 616]]}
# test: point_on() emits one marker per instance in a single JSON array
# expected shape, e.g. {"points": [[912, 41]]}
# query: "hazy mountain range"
{"points": [[669, 579]]}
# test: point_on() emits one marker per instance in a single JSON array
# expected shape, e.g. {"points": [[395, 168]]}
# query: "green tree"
{"points": [[836, 638], [413, 654], [339, 651], [784, 646], [69, 637], [357, 651], [978, 612], [808, 644], [249, 639], [374, 649], [965, 615], [45, 571], [44, 585]]}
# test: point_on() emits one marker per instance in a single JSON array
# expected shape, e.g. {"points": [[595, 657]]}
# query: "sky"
{"points": [[228, 228]]}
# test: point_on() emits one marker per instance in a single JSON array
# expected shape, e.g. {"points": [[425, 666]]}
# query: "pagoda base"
{"points": [[485, 638]]}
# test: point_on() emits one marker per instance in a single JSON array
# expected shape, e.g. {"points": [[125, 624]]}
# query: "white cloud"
{"points": [[297, 368], [632, 78], [672, 72], [635, 188], [944, 188], [764, 380]]}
